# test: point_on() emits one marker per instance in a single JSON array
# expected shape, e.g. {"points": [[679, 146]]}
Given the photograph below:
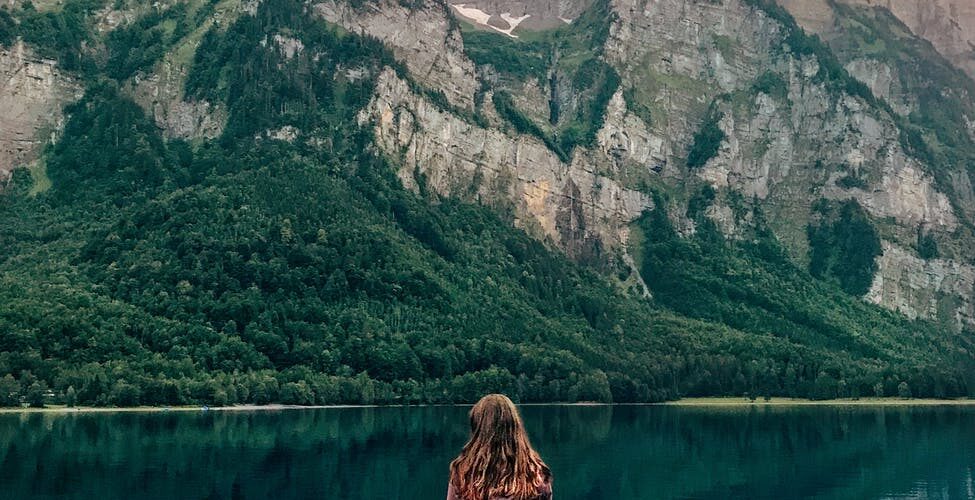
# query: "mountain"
{"points": [[415, 201], [948, 24]]}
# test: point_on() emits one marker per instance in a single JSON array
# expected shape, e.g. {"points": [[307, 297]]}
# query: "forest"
{"points": [[248, 269]]}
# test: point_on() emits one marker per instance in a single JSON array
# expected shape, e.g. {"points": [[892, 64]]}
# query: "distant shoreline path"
{"points": [[729, 402]]}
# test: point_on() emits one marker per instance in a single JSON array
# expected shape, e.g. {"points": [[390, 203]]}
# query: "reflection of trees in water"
{"points": [[596, 452], [336, 453], [579, 425], [772, 453]]}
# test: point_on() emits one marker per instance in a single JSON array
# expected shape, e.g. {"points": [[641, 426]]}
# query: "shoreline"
{"points": [[708, 402], [61, 409], [737, 402]]}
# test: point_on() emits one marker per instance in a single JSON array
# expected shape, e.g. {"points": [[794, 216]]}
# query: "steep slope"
{"points": [[771, 96], [423, 36], [438, 210], [41, 51], [948, 24], [32, 92], [159, 86], [935, 106], [562, 202]]}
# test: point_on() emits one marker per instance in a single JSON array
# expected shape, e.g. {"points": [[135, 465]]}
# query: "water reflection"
{"points": [[402, 453]]}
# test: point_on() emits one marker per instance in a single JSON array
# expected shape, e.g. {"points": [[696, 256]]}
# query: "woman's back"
{"points": [[498, 462]]}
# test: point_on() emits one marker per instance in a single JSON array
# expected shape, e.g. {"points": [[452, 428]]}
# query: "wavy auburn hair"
{"points": [[498, 460]]}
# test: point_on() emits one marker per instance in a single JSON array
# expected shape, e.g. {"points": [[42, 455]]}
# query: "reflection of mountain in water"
{"points": [[597, 453]]}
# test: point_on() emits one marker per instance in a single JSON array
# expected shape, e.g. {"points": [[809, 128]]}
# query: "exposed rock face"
{"points": [[286, 133], [422, 37], [109, 18], [786, 147], [161, 94], [40, 5], [625, 138], [903, 68], [815, 16], [883, 82], [927, 289], [161, 91], [32, 94], [948, 24], [115, 14], [693, 53], [289, 47], [569, 204], [668, 36], [791, 137], [669, 47], [773, 146]]}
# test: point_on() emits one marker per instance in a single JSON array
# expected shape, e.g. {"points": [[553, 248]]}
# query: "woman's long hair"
{"points": [[498, 460]]}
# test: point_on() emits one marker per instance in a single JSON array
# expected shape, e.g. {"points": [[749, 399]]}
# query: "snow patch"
{"points": [[482, 18], [473, 13], [513, 22]]}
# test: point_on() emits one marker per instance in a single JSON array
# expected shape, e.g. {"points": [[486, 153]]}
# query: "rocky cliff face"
{"points": [[32, 94], [571, 205], [906, 283], [160, 91], [575, 204], [907, 71], [883, 81], [774, 150], [33, 91], [424, 38], [161, 94], [787, 144], [948, 24], [924, 288], [691, 54]]}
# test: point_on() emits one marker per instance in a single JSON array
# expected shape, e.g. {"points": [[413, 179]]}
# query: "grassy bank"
{"points": [[732, 401]]}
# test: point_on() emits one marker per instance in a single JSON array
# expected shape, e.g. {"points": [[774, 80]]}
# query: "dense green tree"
{"points": [[8, 27], [36, 394], [9, 391], [904, 390], [57, 33], [843, 246], [593, 387], [927, 246], [707, 141]]}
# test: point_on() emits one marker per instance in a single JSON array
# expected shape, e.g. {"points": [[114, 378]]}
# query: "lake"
{"points": [[599, 452]]}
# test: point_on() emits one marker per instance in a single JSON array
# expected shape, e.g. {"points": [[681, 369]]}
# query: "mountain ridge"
{"points": [[379, 201]]}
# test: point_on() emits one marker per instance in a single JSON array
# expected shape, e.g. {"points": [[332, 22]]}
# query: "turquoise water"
{"points": [[622, 452]]}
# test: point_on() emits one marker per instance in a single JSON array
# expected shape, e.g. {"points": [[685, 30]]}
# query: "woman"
{"points": [[498, 462]]}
